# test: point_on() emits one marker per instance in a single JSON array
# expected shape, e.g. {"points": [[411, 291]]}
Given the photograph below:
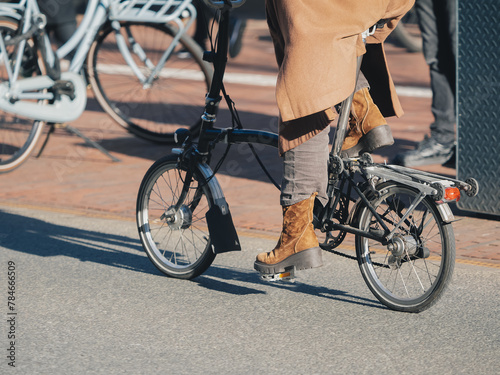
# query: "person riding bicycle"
{"points": [[316, 46]]}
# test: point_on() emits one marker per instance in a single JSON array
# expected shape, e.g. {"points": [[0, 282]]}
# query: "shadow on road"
{"points": [[222, 279], [38, 237]]}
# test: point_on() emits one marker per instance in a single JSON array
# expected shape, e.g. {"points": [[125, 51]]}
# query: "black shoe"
{"points": [[429, 151], [452, 161], [237, 28], [183, 54]]}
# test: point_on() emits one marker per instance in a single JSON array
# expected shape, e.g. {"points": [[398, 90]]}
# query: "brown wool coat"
{"points": [[316, 44]]}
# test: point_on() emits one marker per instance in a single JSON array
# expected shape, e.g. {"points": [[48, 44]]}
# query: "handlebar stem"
{"points": [[220, 61]]}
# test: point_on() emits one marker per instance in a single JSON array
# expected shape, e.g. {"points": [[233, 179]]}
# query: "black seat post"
{"points": [[342, 124], [345, 110]]}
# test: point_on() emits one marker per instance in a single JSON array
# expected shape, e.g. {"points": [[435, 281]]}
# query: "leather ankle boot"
{"points": [[368, 129], [298, 245]]}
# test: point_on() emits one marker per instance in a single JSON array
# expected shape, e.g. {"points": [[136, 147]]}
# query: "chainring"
{"points": [[334, 238]]}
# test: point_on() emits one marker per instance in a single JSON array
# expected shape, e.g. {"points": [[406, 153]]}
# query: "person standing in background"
{"points": [[438, 25], [61, 18]]}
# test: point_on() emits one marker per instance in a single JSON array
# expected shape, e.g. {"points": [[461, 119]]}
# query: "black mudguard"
{"points": [[222, 231]]}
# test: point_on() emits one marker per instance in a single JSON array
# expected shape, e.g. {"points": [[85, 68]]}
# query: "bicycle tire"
{"points": [[18, 135], [178, 245], [407, 282], [175, 98], [407, 33]]}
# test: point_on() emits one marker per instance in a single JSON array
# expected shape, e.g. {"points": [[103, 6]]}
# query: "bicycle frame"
{"points": [[119, 11], [18, 96], [341, 170], [61, 109], [404, 239]]}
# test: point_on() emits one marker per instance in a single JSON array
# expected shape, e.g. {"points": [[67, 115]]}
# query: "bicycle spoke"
{"points": [[156, 109], [178, 242], [410, 276], [18, 135]]}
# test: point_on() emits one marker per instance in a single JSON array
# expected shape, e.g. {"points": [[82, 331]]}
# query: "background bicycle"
{"points": [[127, 50], [407, 33]]}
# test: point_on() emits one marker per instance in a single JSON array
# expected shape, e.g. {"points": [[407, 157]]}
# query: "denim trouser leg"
{"points": [[437, 20], [305, 167], [305, 170]]}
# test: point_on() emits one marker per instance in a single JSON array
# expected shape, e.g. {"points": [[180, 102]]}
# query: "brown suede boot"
{"points": [[368, 129], [298, 245]]}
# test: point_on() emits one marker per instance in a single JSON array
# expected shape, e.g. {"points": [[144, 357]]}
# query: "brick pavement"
{"points": [[71, 176]]}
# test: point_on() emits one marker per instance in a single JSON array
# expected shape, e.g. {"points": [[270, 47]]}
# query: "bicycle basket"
{"points": [[157, 11]]}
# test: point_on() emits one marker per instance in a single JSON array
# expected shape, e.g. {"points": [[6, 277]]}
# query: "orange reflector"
{"points": [[451, 194], [285, 274]]}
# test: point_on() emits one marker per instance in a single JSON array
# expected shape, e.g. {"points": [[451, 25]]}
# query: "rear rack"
{"points": [[428, 183]]}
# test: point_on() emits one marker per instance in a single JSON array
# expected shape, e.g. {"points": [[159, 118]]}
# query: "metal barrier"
{"points": [[478, 125]]}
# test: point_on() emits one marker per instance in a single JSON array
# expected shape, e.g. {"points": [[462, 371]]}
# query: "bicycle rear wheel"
{"points": [[175, 97], [18, 135], [177, 242], [413, 275]]}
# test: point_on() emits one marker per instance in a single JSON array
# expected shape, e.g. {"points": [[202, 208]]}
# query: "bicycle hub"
{"points": [[400, 245]]}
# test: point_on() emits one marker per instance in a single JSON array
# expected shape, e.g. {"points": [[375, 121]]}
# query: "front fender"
{"points": [[223, 234]]}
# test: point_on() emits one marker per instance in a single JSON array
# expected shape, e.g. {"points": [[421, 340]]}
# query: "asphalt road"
{"points": [[88, 301]]}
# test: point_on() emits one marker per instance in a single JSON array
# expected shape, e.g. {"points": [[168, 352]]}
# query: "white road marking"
{"points": [[263, 80]]}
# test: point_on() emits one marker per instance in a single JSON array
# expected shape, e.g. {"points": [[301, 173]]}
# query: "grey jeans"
{"points": [[305, 167], [305, 170]]}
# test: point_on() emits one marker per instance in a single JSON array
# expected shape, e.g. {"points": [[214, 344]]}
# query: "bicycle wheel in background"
{"points": [[413, 275], [18, 135], [176, 96], [407, 32], [177, 242]]}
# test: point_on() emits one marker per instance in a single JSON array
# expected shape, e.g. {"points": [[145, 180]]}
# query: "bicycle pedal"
{"points": [[287, 275]]}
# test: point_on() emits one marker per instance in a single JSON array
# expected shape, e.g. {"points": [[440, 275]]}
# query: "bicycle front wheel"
{"points": [[18, 135], [175, 96], [412, 275], [176, 241]]}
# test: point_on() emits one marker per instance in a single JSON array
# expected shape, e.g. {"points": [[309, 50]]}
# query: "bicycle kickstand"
{"points": [[88, 141], [70, 129]]}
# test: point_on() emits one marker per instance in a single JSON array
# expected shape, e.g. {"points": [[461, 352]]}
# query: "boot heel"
{"points": [[376, 138], [310, 258]]}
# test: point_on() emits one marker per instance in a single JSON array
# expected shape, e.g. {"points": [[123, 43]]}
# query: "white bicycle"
{"points": [[127, 51]]}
